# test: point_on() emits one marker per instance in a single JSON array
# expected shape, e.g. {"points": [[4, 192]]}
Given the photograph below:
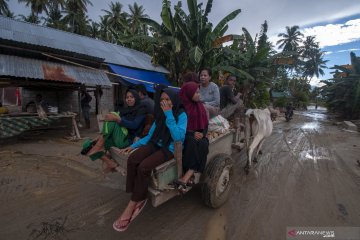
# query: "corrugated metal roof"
{"points": [[37, 69], [17, 31]]}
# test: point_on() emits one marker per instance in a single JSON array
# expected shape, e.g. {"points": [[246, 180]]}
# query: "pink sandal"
{"points": [[137, 210]]}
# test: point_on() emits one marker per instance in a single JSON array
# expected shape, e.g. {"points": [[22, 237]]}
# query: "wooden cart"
{"points": [[216, 180]]}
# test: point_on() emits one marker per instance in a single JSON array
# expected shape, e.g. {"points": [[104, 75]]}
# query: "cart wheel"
{"points": [[218, 180]]}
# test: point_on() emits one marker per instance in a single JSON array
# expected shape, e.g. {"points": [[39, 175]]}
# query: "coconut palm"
{"points": [[79, 5], [94, 30], [135, 16], [291, 39], [32, 18], [37, 6], [4, 7], [115, 17], [55, 17], [9, 14], [309, 48], [76, 16], [315, 64]]}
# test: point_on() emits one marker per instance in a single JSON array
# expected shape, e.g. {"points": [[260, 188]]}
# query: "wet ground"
{"points": [[307, 176]]}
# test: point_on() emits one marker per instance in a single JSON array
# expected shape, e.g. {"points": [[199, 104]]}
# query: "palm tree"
{"points": [[291, 39], [37, 6], [115, 17], [94, 30], [9, 14], [79, 5], [55, 17], [136, 13], [76, 16], [32, 18], [310, 46], [4, 7], [315, 65]]}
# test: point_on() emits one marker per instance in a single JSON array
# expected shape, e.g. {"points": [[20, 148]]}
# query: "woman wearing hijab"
{"points": [[191, 77], [152, 150], [119, 130], [196, 145]]}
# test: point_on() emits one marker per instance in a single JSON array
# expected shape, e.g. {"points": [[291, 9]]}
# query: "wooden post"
{"points": [[75, 127], [178, 157]]}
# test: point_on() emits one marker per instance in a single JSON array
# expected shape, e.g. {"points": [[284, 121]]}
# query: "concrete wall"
{"points": [[67, 100]]}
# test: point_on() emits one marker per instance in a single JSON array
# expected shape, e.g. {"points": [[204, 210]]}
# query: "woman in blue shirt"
{"points": [[154, 149]]}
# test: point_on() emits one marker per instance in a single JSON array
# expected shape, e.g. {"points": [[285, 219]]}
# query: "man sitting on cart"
{"points": [[229, 103]]}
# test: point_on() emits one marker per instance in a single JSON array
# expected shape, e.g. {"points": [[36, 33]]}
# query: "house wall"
{"points": [[68, 100]]}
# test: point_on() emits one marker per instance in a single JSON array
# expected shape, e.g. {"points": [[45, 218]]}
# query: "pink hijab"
{"points": [[197, 118]]}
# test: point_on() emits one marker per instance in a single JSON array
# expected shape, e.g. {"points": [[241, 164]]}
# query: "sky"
{"points": [[334, 23]]}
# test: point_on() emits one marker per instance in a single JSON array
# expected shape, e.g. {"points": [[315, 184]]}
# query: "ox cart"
{"points": [[216, 181]]}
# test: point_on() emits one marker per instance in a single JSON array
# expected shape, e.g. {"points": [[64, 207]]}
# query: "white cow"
{"points": [[258, 126]]}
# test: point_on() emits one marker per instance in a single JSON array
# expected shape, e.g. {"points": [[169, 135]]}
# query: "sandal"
{"points": [[137, 210], [96, 155], [123, 228], [181, 186]]}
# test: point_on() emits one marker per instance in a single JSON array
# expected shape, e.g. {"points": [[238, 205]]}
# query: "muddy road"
{"points": [[307, 176]]}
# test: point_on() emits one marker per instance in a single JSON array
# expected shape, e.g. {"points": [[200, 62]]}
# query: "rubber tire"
{"points": [[212, 174]]}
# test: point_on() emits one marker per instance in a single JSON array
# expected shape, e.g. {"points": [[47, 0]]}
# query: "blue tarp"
{"points": [[130, 75]]}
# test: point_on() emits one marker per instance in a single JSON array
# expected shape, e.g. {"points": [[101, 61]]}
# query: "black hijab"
{"points": [[161, 132], [130, 113]]}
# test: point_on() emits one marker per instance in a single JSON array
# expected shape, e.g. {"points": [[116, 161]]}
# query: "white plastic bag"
{"points": [[218, 124]]}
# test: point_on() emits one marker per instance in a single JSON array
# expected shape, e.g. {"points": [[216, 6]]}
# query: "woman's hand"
{"points": [[126, 150], [112, 118], [198, 135], [165, 106]]}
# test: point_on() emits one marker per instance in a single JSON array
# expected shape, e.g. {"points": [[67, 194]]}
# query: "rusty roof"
{"points": [[40, 37], [38, 69]]}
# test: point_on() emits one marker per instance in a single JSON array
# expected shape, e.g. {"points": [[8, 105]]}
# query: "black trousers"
{"points": [[139, 167], [195, 153]]}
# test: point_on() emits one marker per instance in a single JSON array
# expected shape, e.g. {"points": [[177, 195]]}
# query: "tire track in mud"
{"points": [[48, 190], [286, 185]]}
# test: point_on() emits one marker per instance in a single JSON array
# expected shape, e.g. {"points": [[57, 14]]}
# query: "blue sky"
{"points": [[336, 24]]}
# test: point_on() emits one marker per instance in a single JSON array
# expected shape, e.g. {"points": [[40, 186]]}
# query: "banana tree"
{"points": [[343, 91], [249, 60], [184, 42]]}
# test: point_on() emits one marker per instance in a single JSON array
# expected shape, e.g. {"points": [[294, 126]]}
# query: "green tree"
{"points": [[37, 6], [136, 14], [291, 39], [76, 16], [4, 7], [115, 18], [31, 18], [342, 92], [55, 17]]}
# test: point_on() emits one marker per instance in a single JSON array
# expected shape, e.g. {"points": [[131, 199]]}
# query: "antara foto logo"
{"points": [[292, 233]]}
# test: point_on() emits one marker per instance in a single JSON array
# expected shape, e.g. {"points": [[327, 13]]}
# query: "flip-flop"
{"points": [[123, 228], [138, 209], [179, 183]]}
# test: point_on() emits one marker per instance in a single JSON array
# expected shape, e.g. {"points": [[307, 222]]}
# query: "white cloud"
{"points": [[349, 50], [316, 82], [335, 34], [332, 34], [328, 52]]}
